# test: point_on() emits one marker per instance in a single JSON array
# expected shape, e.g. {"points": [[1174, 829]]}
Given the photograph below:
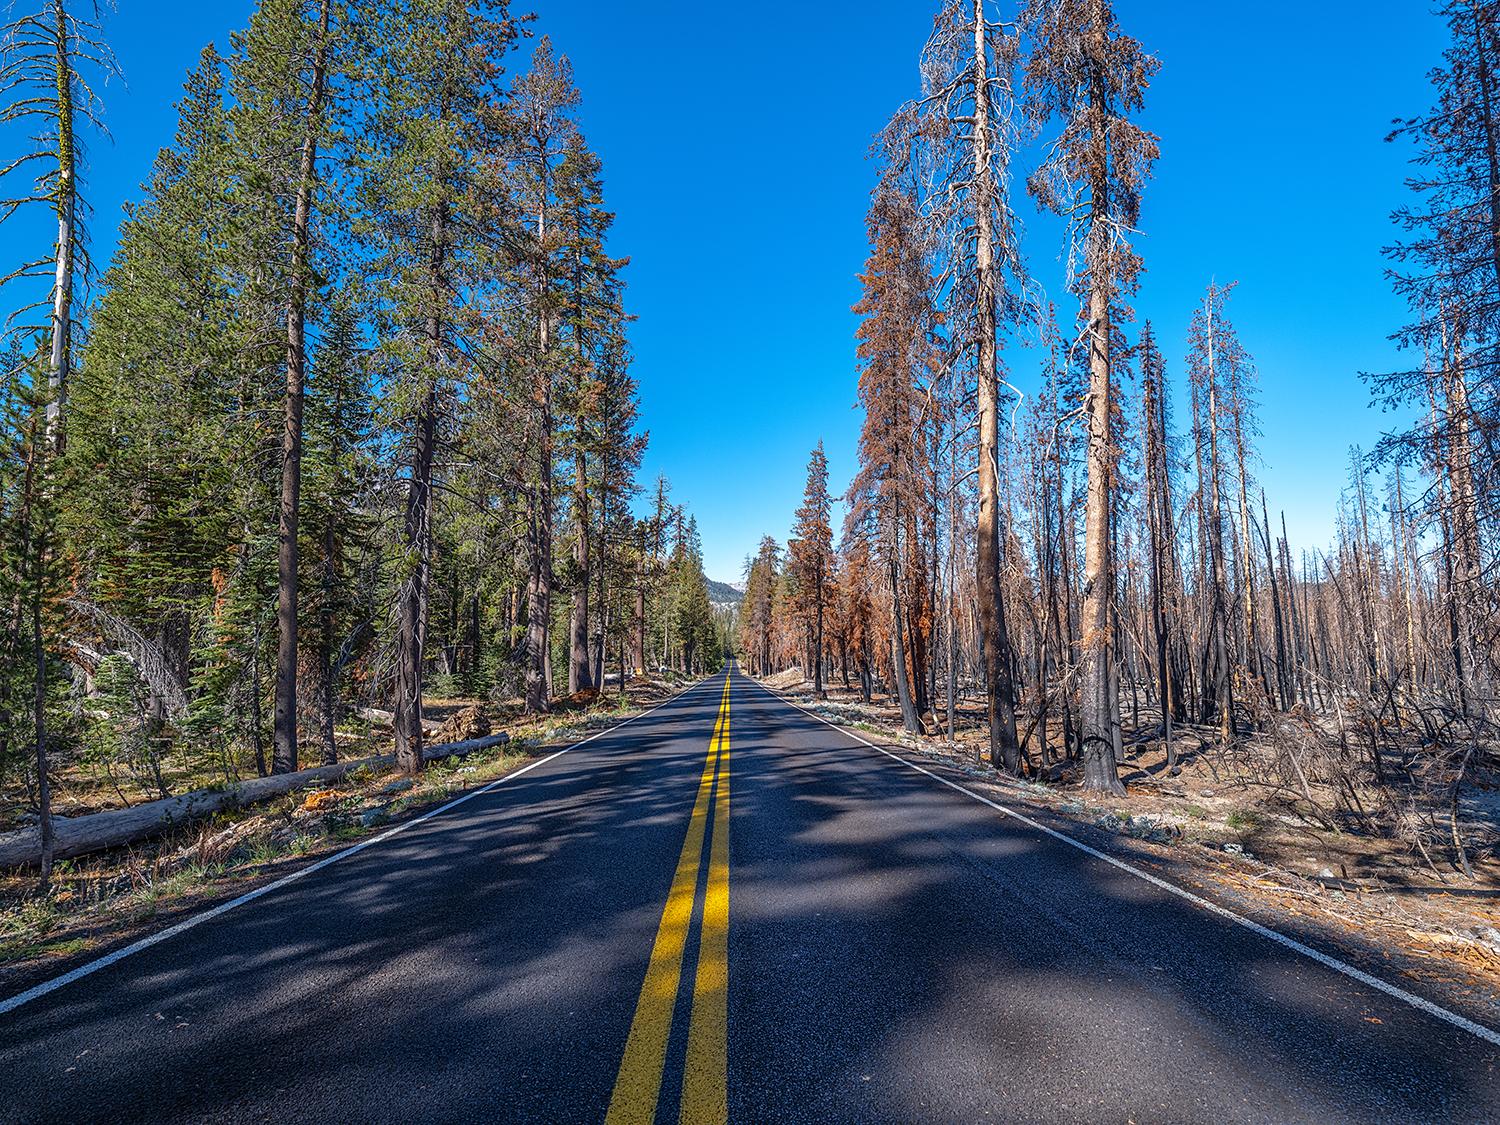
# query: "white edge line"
{"points": [[1418, 1002], [14, 1002]]}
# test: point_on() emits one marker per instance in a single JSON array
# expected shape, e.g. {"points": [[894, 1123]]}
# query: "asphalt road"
{"points": [[557, 949]]}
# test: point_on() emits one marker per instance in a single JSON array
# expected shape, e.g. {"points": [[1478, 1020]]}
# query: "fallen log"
{"points": [[388, 718], [75, 836]]}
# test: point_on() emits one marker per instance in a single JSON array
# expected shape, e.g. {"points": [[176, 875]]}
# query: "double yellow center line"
{"points": [[706, 1068]]}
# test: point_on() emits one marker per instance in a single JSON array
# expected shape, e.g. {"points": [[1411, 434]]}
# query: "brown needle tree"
{"points": [[963, 133], [1086, 72], [811, 551], [893, 342]]}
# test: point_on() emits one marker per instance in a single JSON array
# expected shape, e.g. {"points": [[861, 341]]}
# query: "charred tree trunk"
{"points": [[899, 674], [539, 580], [1096, 680], [1004, 749]]}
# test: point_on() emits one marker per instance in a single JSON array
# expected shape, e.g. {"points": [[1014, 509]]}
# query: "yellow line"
{"points": [[638, 1083], [705, 1076]]}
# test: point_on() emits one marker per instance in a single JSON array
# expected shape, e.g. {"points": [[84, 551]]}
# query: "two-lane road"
{"points": [[726, 906]]}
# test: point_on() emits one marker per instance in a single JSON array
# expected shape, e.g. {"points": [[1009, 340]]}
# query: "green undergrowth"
{"points": [[95, 900]]}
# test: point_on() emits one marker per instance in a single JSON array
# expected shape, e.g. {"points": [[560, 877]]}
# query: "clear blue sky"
{"points": [[734, 140]]}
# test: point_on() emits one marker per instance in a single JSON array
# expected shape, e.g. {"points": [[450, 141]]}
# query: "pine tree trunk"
{"points": [[1401, 539], [43, 782], [640, 626], [1158, 508], [1464, 525], [1097, 685], [902, 684], [1295, 649], [602, 603], [580, 677], [1004, 751], [1068, 637], [951, 620], [284, 752], [33, 550], [327, 689], [1219, 613], [539, 581], [1277, 621], [1254, 662], [818, 636], [599, 645], [412, 605], [411, 625]]}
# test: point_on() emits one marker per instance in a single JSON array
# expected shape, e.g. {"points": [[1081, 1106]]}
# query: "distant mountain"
{"points": [[722, 593]]}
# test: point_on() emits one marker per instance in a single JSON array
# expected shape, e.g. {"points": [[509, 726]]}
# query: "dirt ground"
{"points": [[1212, 829]]}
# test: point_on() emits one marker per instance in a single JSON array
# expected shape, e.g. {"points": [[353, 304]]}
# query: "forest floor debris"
{"points": [[1208, 829], [101, 901]]}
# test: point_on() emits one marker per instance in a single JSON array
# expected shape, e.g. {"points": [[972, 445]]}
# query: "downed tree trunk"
{"points": [[74, 836], [386, 718], [149, 660]]}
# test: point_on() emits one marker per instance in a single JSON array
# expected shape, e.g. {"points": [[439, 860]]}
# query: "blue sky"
{"points": [[734, 140]]}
